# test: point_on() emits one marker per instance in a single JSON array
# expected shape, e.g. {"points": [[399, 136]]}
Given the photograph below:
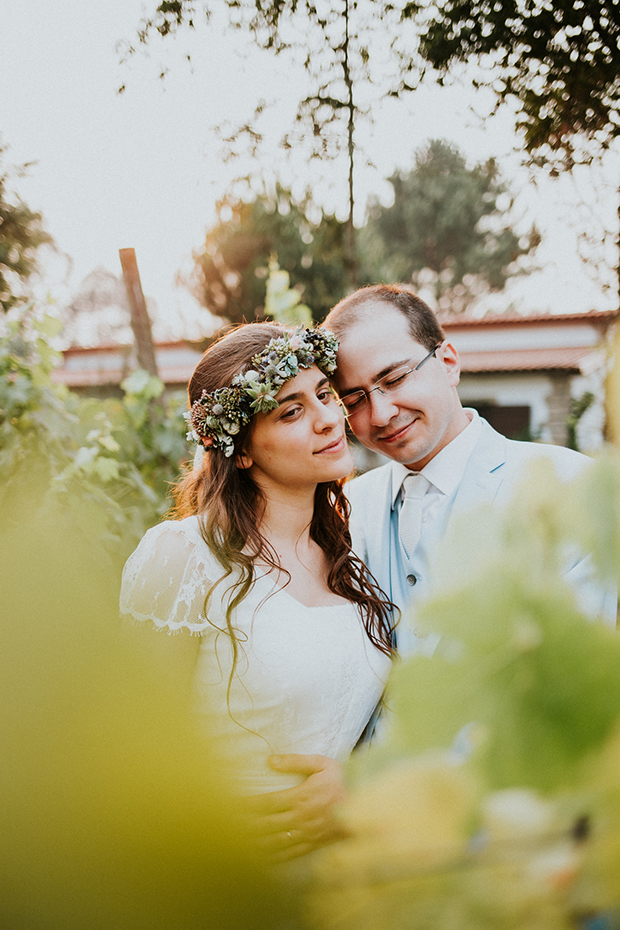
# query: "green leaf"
{"points": [[109, 443], [106, 468], [142, 384], [48, 326], [282, 302]]}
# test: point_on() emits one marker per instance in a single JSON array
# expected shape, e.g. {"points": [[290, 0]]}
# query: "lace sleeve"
{"points": [[167, 579]]}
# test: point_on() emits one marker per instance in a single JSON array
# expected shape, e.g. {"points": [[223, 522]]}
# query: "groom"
{"points": [[397, 377]]}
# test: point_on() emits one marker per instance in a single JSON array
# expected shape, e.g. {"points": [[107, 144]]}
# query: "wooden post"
{"points": [[612, 384], [140, 322], [612, 392]]}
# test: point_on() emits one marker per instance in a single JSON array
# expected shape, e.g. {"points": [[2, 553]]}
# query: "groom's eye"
{"points": [[353, 401], [395, 377]]}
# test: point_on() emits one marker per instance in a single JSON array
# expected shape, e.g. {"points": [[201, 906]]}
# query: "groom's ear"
{"points": [[243, 460], [451, 362]]}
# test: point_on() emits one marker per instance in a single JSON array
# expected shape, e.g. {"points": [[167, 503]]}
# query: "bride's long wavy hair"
{"points": [[230, 504]]}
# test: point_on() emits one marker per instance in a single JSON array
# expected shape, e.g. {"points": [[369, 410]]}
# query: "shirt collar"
{"points": [[446, 469]]}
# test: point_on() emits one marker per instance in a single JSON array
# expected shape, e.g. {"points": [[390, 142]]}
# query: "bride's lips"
{"points": [[336, 446]]}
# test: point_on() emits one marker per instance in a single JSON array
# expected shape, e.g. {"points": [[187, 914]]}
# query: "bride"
{"points": [[292, 644]]}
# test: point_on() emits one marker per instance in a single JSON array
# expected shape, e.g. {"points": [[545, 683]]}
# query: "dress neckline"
{"points": [[260, 573]]}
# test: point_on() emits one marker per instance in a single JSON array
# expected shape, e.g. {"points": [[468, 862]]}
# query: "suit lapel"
{"points": [[480, 483], [484, 473]]}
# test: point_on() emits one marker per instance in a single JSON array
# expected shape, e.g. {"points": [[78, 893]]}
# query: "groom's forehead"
{"points": [[376, 325], [371, 349]]}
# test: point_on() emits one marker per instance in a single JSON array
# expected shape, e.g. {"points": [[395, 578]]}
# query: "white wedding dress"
{"points": [[307, 678]]}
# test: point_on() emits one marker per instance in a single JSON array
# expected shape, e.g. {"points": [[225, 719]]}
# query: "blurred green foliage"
{"points": [[578, 406], [21, 235], [231, 269], [106, 466], [448, 231], [282, 303], [515, 654], [113, 817], [113, 813], [492, 799]]}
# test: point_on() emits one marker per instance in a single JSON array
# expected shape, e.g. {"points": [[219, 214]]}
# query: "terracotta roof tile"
{"points": [[511, 319], [565, 359]]}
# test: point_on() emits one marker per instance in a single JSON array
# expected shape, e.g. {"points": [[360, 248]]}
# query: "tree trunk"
{"points": [[140, 322]]}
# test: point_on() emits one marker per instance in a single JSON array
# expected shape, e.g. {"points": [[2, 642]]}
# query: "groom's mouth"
{"points": [[396, 435]]}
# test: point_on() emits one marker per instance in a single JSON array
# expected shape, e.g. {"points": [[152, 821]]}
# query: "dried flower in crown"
{"points": [[216, 418]]}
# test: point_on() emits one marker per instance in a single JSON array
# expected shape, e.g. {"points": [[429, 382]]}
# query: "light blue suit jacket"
{"points": [[495, 468]]}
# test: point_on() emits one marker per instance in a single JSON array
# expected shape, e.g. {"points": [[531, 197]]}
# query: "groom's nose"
{"points": [[381, 408]]}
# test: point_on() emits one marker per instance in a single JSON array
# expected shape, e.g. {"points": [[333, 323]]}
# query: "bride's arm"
{"points": [[165, 582]]}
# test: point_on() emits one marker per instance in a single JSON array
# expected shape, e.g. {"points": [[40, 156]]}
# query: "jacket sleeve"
{"points": [[597, 600]]}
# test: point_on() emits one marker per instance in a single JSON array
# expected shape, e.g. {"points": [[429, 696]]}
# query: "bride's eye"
{"points": [[290, 413], [325, 395]]}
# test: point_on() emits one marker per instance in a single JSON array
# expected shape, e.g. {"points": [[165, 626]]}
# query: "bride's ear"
{"points": [[243, 460]]}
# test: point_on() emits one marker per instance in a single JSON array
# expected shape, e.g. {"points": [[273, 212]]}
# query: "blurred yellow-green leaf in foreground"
{"points": [[111, 814], [492, 800]]}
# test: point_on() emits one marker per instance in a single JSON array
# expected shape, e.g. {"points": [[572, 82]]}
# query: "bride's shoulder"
{"points": [[176, 539], [188, 528], [167, 578]]}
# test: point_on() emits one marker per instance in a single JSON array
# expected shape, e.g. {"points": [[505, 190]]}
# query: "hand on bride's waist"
{"points": [[297, 820]]}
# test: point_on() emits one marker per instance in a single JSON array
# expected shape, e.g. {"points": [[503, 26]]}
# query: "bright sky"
{"points": [[143, 169]]}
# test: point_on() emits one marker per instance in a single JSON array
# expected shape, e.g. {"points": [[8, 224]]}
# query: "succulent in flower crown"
{"points": [[216, 418]]}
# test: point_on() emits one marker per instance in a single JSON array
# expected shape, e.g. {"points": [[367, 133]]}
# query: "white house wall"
{"points": [[540, 336], [591, 426], [520, 390]]}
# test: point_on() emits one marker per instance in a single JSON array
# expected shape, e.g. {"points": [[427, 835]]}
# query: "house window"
{"points": [[512, 422]]}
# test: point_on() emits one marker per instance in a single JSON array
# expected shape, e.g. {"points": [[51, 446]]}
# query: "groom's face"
{"points": [[412, 424]]}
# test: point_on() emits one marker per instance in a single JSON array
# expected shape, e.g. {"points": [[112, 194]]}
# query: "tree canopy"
{"points": [[446, 231], [21, 235], [230, 273], [349, 63], [558, 59]]}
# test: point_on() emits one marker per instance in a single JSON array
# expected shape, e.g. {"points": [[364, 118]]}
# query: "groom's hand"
{"points": [[298, 820]]}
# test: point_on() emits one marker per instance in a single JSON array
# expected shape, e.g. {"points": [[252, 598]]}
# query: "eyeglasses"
{"points": [[389, 384]]}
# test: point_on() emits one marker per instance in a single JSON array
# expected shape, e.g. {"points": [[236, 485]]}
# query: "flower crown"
{"points": [[216, 418]]}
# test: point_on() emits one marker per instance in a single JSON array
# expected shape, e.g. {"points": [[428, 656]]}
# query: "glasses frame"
{"points": [[380, 388]]}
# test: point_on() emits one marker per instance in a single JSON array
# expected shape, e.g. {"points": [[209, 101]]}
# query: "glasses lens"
{"points": [[353, 402], [394, 380]]}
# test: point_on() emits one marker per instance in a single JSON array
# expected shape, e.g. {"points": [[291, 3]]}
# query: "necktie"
{"points": [[410, 519]]}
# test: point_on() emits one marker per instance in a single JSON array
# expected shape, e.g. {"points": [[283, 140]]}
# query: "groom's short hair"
{"points": [[423, 324]]}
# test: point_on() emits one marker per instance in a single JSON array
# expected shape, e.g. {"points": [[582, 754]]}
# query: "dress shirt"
{"points": [[444, 471]]}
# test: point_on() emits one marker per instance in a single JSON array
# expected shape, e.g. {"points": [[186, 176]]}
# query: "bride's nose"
{"points": [[328, 416]]}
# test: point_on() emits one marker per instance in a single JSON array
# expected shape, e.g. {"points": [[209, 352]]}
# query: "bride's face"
{"points": [[302, 442]]}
